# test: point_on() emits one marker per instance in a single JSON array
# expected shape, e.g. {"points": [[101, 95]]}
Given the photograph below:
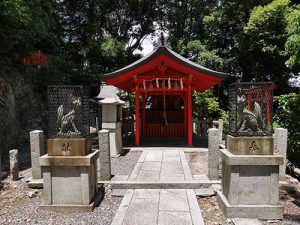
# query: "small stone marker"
{"points": [[221, 126], [280, 147], [213, 153], [104, 159], [97, 124], [13, 162], [37, 150], [0, 171]]}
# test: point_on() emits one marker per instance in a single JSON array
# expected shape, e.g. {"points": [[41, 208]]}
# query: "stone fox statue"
{"points": [[64, 120], [249, 119]]}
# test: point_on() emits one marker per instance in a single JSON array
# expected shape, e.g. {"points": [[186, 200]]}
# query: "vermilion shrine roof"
{"points": [[164, 63]]}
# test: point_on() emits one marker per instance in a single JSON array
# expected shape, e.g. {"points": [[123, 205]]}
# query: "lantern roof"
{"points": [[163, 62]]}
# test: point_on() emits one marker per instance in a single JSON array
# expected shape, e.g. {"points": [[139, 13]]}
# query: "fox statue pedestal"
{"points": [[70, 182], [70, 168], [250, 186]]}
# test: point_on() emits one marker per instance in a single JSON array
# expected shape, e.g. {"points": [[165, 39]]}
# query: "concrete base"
{"points": [[250, 179], [250, 186], [249, 211], [75, 208], [70, 181]]}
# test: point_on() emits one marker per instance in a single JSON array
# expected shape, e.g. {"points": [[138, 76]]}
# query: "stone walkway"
{"points": [[160, 206], [161, 165]]}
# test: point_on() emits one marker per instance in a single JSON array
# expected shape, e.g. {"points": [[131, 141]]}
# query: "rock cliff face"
{"points": [[21, 110]]}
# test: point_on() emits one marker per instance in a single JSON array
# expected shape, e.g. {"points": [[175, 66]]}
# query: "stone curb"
{"points": [[192, 184]]}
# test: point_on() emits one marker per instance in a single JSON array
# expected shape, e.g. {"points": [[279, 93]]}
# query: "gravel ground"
{"points": [[124, 164], [197, 162], [17, 208], [212, 214]]}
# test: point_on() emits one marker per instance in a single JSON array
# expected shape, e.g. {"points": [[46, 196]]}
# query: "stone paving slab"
{"points": [[159, 206], [159, 165], [174, 218], [173, 200]]}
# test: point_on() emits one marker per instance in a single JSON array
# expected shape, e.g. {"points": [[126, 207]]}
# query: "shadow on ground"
{"points": [[165, 142]]}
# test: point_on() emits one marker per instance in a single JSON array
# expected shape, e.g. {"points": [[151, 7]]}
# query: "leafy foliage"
{"points": [[225, 118], [129, 106], [205, 106], [26, 25], [287, 116], [264, 38], [292, 44], [83, 39], [197, 52]]}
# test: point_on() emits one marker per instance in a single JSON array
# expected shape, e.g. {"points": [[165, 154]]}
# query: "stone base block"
{"points": [[249, 211], [35, 183], [250, 179], [69, 147], [250, 145], [75, 208], [115, 138], [69, 180]]}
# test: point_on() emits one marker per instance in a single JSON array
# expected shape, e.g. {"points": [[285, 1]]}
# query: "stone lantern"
{"points": [[112, 121]]}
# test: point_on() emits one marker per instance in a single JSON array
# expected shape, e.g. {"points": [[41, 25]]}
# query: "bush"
{"points": [[287, 116]]}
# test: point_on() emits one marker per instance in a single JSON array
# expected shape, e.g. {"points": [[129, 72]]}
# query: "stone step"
{"points": [[188, 184]]}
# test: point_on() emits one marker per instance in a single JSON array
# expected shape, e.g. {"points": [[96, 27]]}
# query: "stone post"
{"points": [[37, 146], [221, 125], [97, 124], [1, 185], [104, 159], [280, 147], [13, 162], [213, 153]]}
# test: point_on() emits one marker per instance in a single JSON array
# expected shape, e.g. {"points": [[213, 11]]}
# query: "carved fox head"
{"points": [[76, 102]]}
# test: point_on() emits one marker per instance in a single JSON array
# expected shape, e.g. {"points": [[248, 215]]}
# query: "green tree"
{"points": [[223, 30], [197, 52], [263, 44], [27, 25], [292, 44], [184, 19], [286, 116], [130, 21]]}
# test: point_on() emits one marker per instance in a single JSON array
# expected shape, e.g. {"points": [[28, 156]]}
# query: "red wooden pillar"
{"points": [[190, 116], [185, 115], [144, 115], [137, 117]]}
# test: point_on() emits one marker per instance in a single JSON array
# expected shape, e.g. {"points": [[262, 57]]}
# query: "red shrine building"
{"points": [[165, 81]]}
